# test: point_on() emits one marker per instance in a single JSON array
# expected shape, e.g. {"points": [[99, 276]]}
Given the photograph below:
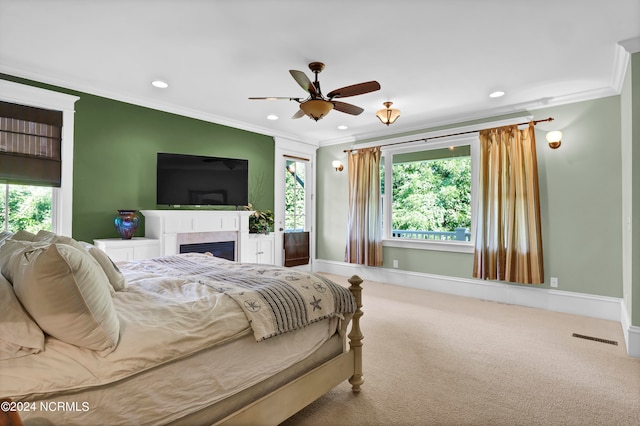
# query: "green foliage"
{"points": [[294, 202], [432, 195], [29, 208], [260, 222]]}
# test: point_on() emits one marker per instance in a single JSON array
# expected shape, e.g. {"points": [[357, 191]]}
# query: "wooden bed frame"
{"points": [[282, 403]]}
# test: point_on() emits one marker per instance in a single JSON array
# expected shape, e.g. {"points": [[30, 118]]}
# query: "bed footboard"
{"points": [[355, 336], [287, 400]]}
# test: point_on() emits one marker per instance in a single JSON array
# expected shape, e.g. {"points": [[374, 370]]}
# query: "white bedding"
{"points": [[171, 391], [162, 320]]}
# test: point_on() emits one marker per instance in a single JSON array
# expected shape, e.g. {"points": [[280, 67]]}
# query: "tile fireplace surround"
{"points": [[176, 227]]}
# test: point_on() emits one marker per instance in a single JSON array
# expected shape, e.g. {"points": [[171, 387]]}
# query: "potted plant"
{"points": [[260, 222]]}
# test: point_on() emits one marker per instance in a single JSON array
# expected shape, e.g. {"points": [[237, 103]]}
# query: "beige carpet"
{"points": [[437, 359]]}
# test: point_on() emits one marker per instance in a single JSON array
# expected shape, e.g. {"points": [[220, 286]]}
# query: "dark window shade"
{"points": [[30, 143]]}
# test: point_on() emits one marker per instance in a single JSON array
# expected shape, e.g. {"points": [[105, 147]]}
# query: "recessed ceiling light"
{"points": [[159, 84], [272, 117], [342, 127], [496, 94]]}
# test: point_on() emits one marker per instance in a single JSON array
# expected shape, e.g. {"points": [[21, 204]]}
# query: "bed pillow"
{"points": [[23, 235], [116, 278], [4, 235], [66, 292], [53, 238], [9, 262], [19, 335]]}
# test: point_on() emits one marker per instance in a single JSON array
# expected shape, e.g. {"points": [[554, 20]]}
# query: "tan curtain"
{"points": [[364, 233], [508, 244]]}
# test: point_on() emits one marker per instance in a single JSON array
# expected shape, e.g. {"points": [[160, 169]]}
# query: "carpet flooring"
{"points": [[439, 359]]}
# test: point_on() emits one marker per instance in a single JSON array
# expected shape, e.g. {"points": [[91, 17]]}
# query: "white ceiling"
{"points": [[436, 60]]}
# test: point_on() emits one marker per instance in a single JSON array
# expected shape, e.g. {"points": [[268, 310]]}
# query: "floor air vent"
{"points": [[595, 339]]}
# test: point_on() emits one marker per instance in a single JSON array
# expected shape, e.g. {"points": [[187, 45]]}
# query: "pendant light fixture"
{"points": [[388, 115], [316, 108]]}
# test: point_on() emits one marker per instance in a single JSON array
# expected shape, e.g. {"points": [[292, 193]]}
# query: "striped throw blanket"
{"points": [[275, 299]]}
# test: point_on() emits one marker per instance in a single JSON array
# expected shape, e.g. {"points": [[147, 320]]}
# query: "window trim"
{"points": [[451, 246], [416, 142], [62, 198]]}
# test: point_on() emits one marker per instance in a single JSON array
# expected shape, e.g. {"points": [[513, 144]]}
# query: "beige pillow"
{"points": [[4, 235], [23, 235], [19, 335], [116, 278], [9, 263], [66, 293], [50, 237]]}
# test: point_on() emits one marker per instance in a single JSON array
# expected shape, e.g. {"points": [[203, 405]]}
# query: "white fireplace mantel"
{"points": [[167, 225]]}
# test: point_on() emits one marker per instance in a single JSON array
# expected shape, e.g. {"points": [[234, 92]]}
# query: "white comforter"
{"points": [[161, 320]]}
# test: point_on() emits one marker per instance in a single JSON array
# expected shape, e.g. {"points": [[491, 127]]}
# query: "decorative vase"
{"points": [[126, 223]]}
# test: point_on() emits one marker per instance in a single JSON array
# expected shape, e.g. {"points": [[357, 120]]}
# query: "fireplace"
{"points": [[223, 249], [220, 244], [175, 228]]}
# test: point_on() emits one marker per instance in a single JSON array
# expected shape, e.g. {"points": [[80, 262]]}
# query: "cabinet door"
{"points": [[120, 254], [266, 250], [146, 252], [251, 254]]}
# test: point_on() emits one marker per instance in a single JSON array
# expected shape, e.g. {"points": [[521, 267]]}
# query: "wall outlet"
{"points": [[395, 263], [554, 282]]}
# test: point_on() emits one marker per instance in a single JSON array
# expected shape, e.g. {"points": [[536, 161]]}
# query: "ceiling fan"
{"points": [[317, 105]]}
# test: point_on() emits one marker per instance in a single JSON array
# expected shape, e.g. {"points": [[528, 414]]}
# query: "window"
{"points": [[295, 195], [61, 197], [429, 195], [25, 207]]}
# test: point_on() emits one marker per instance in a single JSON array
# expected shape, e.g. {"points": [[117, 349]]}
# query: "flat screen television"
{"points": [[199, 180]]}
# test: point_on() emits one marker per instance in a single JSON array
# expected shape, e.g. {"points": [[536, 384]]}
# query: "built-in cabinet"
{"points": [[137, 248], [176, 227], [261, 249], [167, 230]]}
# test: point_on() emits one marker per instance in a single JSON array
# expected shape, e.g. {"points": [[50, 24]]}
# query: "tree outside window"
{"points": [[25, 207], [431, 194]]}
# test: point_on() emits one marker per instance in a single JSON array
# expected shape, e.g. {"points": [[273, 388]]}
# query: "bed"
{"points": [[185, 339]]}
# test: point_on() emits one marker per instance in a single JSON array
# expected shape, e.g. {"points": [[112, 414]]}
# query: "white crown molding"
{"points": [[631, 45], [588, 305], [452, 120], [620, 66], [156, 105], [33, 96]]}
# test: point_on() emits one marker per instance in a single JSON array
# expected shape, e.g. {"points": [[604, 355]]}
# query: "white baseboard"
{"points": [[631, 333], [603, 307]]}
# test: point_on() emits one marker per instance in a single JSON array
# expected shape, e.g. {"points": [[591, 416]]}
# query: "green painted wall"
{"points": [[581, 212], [115, 146]]}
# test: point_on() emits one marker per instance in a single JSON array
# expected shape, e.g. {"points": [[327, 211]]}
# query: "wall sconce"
{"points": [[554, 138], [338, 165], [388, 115]]}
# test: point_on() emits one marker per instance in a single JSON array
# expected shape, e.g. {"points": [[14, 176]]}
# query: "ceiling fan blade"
{"points": [[298, 114], [303, 81], [274, 98], [353, 90], [347, 108]]}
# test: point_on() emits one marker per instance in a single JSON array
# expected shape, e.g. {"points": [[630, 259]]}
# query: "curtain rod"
{"points": [[453, 134]]}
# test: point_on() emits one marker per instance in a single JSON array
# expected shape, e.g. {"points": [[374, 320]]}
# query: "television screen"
{"points": [[199, 180]]}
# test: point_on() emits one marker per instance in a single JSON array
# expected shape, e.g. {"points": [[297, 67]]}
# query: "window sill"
{"points": [[452, 246]]}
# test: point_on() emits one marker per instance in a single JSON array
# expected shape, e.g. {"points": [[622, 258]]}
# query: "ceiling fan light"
{"points": [[316, 108], [388, 115]]}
